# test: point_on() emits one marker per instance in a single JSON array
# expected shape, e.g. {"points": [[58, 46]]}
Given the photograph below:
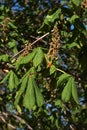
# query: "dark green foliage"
{"points": [[43, 83]]}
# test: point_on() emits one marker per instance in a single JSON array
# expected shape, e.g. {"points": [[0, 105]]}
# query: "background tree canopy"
{"points": [[43, 65]]}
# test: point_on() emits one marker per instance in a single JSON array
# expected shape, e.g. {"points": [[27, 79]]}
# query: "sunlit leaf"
{"points": [[73, 18], [4, 57], [12, 44], [50, 19], [52, 69]]}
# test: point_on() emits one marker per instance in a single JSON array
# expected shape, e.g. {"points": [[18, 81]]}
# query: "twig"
{"points": [[60, 70], [4, 120], [43, 41], [18, 53], [5, 114], [40, 38], [22, 120]]}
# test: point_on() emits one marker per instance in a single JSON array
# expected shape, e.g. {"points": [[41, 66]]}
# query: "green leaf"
{"points": [[5, 78], [62, 79], [50, 19], [38, 59], [15, 50], [16, 80], [11, 83], [39, 96], [12, 25], [66, 94], [63, 2], [4, 57], [59, 103], [12, 44], [52, 69], [24, 84], [29, 98], [57, 123], [26, 59], [73, 18], [77, 2], [73, 44], [74, 92]]}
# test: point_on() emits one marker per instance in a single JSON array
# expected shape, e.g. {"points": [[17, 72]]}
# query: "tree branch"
{"points": [[38, 39], [5, 115]]}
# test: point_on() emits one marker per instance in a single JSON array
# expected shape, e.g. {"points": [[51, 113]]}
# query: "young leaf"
{"points": [[12, 44], [52, 69], [59, 103], [74, 92], [50, 19], [4, 57], [29, 98], [21, 90], [73, 18], [63, 78], [39, 96], [66, 94], [38, 59]]}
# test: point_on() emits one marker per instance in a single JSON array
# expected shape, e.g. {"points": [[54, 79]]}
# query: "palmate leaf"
{"points": [[33, 95], [66, 94], [70, 89], [29, 98], [74, 92], [26, 84], [38, 59], [29, 91], [63, 78]]}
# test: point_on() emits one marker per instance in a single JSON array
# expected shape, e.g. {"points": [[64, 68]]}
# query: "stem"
{"points": [[60, 70]]}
